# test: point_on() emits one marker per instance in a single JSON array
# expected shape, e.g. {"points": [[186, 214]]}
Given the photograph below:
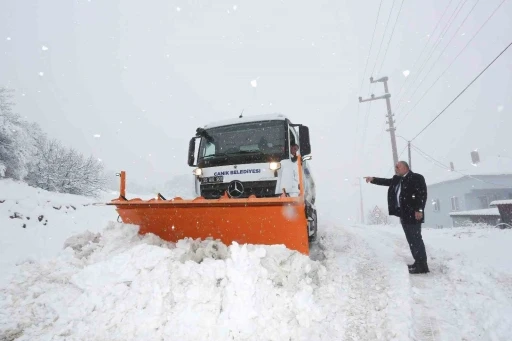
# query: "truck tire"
{"points": [[313, 237]]}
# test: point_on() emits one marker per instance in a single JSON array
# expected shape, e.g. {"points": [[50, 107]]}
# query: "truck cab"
{"points": [[253, 156]]}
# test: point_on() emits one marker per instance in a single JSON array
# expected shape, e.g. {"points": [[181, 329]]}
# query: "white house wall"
{"points": [[467, 190]]}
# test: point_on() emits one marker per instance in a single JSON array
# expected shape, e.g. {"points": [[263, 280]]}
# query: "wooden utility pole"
{"points": [[390, 121]]}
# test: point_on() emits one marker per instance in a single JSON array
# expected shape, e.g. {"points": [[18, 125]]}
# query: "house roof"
{"points": [[488, 166], [483, 212], [501, 202]]}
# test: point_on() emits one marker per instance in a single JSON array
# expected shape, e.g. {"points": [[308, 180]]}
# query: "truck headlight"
{"points": [[274, 165], [198, 172]]}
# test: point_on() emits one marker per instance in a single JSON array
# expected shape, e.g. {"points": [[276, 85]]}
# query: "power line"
{"points": [[403, 150], [382, 40], [441, 165], [424, 47], [364, 75], [449, 104], [442, 52], [467, 44], [391, 37], [436, 44], [371, 44]]}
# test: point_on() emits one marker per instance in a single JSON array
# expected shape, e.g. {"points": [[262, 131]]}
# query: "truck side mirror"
{"points": [[192, 152], [305, 145]]}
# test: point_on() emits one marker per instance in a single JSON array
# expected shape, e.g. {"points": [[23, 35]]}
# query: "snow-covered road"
{"points": [[466, 296]]}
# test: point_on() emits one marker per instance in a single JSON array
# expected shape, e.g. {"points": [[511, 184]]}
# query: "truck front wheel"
{"points": [[312, 225]]}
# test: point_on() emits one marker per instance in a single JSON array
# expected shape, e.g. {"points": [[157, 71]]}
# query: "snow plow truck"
{"points": [[252, 186]]}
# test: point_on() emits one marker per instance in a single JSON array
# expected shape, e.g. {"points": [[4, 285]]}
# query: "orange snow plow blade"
{"points": [[268, 221]]}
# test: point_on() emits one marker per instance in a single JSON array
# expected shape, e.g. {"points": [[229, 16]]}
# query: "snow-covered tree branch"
{"points": [[27, 154]]}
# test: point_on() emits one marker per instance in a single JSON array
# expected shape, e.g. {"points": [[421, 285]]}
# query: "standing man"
{"points": [[407, 196]]}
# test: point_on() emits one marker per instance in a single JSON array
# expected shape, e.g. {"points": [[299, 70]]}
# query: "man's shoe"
{"points": [[411, 265], [419, 269]]}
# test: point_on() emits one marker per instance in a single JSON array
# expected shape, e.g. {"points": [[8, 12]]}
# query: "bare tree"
{"points": [[17, 138], [65, 170], [377, 216]]}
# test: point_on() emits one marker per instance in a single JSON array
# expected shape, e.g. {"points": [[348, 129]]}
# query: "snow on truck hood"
{"points": [[255, 118]]}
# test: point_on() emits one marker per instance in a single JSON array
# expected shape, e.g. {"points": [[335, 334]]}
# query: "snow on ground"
{"points": [[466, 296], [34, 223], [118, 285], [83, 276]]}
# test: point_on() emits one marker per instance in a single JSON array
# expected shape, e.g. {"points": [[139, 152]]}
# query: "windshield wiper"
{"points": [[216, 155], [250, 151]]}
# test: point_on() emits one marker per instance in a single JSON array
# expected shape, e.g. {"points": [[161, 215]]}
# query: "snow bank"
{"points": [[119, 285], [34, 223]]}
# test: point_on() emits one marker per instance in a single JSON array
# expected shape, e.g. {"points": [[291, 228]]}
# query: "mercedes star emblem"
{"points": [[235, 189]]}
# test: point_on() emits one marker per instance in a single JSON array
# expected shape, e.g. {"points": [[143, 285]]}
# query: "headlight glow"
{"points": [[198, 171], [274, 165]]}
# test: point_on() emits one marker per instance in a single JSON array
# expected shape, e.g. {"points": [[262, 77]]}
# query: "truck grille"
{"points": [[261, 189]]}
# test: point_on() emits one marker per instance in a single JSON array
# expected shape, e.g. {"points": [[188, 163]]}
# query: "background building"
{"points": [[466, 195]]}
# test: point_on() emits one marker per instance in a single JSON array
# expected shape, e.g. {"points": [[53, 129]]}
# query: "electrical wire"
{"points": [[441, 165], [391, 37], [424, 47], [442, 52], [449, 104], [364, 75], [399, 155], [453, 61], [382, 40], [371, 44], [438, 41]]}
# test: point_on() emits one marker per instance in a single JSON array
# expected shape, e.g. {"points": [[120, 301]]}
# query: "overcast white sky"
{"points": [[143, 76]]}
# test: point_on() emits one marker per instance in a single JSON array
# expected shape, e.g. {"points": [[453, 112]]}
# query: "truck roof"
{"points": [[245, 119]]}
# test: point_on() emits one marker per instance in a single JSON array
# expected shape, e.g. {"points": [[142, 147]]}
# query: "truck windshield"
{"points": [[266, 137]]}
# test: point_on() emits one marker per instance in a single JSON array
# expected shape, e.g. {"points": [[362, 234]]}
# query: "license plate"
{"points": [[212, 179]]}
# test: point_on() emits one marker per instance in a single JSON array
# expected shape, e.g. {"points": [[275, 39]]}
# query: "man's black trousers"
{"points": [[413, 235]]}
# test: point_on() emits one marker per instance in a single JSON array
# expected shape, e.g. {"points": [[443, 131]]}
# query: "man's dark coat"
{"points": [[413, 196]]}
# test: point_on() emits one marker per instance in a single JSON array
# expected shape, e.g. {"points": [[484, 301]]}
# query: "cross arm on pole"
{"points": [[373, 98]]}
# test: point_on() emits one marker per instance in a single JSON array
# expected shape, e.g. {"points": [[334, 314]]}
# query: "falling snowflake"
{"points": [[254, 82], [235, 7], [97, 135], [8, 38], [178, 9], [500, 108], [44, 48], [41, 74], [406, 73]]}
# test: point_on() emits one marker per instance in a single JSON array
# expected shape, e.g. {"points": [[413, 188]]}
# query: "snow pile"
{"points": [[119, 285], [34, 223]]}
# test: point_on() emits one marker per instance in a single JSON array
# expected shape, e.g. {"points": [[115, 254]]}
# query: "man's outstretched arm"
{"points": [[379, 181]]}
